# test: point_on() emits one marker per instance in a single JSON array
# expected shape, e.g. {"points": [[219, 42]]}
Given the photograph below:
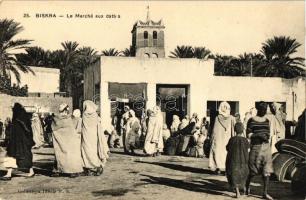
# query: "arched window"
{"points": [[145, 37], [154, 35], [154, 38], [146, 55]]}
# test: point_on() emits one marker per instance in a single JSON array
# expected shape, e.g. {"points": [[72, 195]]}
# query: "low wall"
{"points": [[42, 104]]}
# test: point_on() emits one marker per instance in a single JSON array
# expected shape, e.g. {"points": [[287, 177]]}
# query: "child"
{"points": [[237, 169], [166, 133]]}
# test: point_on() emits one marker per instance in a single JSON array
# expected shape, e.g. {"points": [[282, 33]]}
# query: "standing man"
{"points": [[123, 122], [260, 158]]}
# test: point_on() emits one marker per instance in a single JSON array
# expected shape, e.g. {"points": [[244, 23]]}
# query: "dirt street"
{"points": [[131, 177]]}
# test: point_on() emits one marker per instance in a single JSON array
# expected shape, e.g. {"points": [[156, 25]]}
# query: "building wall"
{"points": [[91, 78], [203, 85], [43, 104], [45, 80]]}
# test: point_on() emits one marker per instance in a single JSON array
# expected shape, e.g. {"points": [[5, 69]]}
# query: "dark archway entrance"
{"points": [[173, 100]]}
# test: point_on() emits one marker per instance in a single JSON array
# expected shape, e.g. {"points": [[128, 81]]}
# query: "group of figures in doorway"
{"points": [[151, 133]]}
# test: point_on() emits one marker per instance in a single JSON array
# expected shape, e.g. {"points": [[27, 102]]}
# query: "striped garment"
{"points": [[260, 131]]}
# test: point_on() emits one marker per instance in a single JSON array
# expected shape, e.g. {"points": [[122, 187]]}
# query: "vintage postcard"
{"points": [[152, 99]]}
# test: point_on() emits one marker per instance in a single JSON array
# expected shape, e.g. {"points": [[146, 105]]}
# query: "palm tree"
{"points": [[225, 65], [86, 57], [34, 56], [279, 60], [70, 58], [110, 52], [201, 53], [57, 59], [8, 61], [182, 52]]}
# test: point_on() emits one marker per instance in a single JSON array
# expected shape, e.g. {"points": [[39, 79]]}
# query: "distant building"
{"points": [[44, 81], [179, 86], [44, 94]]}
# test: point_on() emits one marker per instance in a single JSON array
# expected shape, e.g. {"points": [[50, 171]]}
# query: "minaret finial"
{"points": [[148, 13]]}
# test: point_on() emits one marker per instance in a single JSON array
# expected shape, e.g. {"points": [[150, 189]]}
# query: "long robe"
{"points": [[66, 145], [94, 145], [21, 142], [132, 132], [275, 131], [160, 145], [237, 169], [219, 140], [153, 134], [38, 133]]}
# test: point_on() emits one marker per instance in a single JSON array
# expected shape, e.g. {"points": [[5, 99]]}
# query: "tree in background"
{"points": [[128, 52], [110, 52], [8, 62], [201, 53], [34, 56], [279, 60], [182, 52]]}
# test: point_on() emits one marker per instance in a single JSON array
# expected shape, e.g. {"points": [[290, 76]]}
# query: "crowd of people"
{"points": [[80, 147], [238, 148]]}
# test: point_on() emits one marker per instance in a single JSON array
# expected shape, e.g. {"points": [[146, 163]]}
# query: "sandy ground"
{"points": [[132, 177]]}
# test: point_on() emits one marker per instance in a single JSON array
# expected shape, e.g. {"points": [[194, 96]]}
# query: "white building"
{"points": [[44, 80], [179, 86]]}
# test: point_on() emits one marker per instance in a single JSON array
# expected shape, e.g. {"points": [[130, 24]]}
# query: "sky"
{"points": [[224, 27]]}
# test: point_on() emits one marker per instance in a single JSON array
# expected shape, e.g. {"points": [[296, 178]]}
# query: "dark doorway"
{"points": [[173, 100]]}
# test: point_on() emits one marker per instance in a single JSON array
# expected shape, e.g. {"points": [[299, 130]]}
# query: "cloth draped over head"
{"points": [[224, 109], [94, 144], [76, 113], [132, 113], [89, 107], [63, 107], [175, 123], [276, 106], [21, 137], [20, 114]]}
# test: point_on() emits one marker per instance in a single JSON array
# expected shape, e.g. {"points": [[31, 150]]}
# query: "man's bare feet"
{"points": [[237, 192], [267, 196]]}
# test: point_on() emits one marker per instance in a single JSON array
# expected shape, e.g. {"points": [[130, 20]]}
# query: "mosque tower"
{"points": [[148, 38]]}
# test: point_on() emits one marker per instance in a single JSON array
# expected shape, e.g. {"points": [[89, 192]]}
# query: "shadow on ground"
{"points": [[181, 168], [214, 187], [112, 192]]}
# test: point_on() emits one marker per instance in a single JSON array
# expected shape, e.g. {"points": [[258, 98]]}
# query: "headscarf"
{"points": [[224, 109], [63, 107], [132, 113], [89, 107], [175, 123], [20, 114], [276, 106], [76, 113]]}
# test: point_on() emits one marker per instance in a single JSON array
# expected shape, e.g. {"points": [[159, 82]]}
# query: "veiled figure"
{"points": [[155, 127], [66, 143], [94, 146], [38, 133], [132, 132], [223, 130]]}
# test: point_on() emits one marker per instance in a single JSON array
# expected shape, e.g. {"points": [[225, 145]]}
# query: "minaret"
{"points": [[148, 38]]}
